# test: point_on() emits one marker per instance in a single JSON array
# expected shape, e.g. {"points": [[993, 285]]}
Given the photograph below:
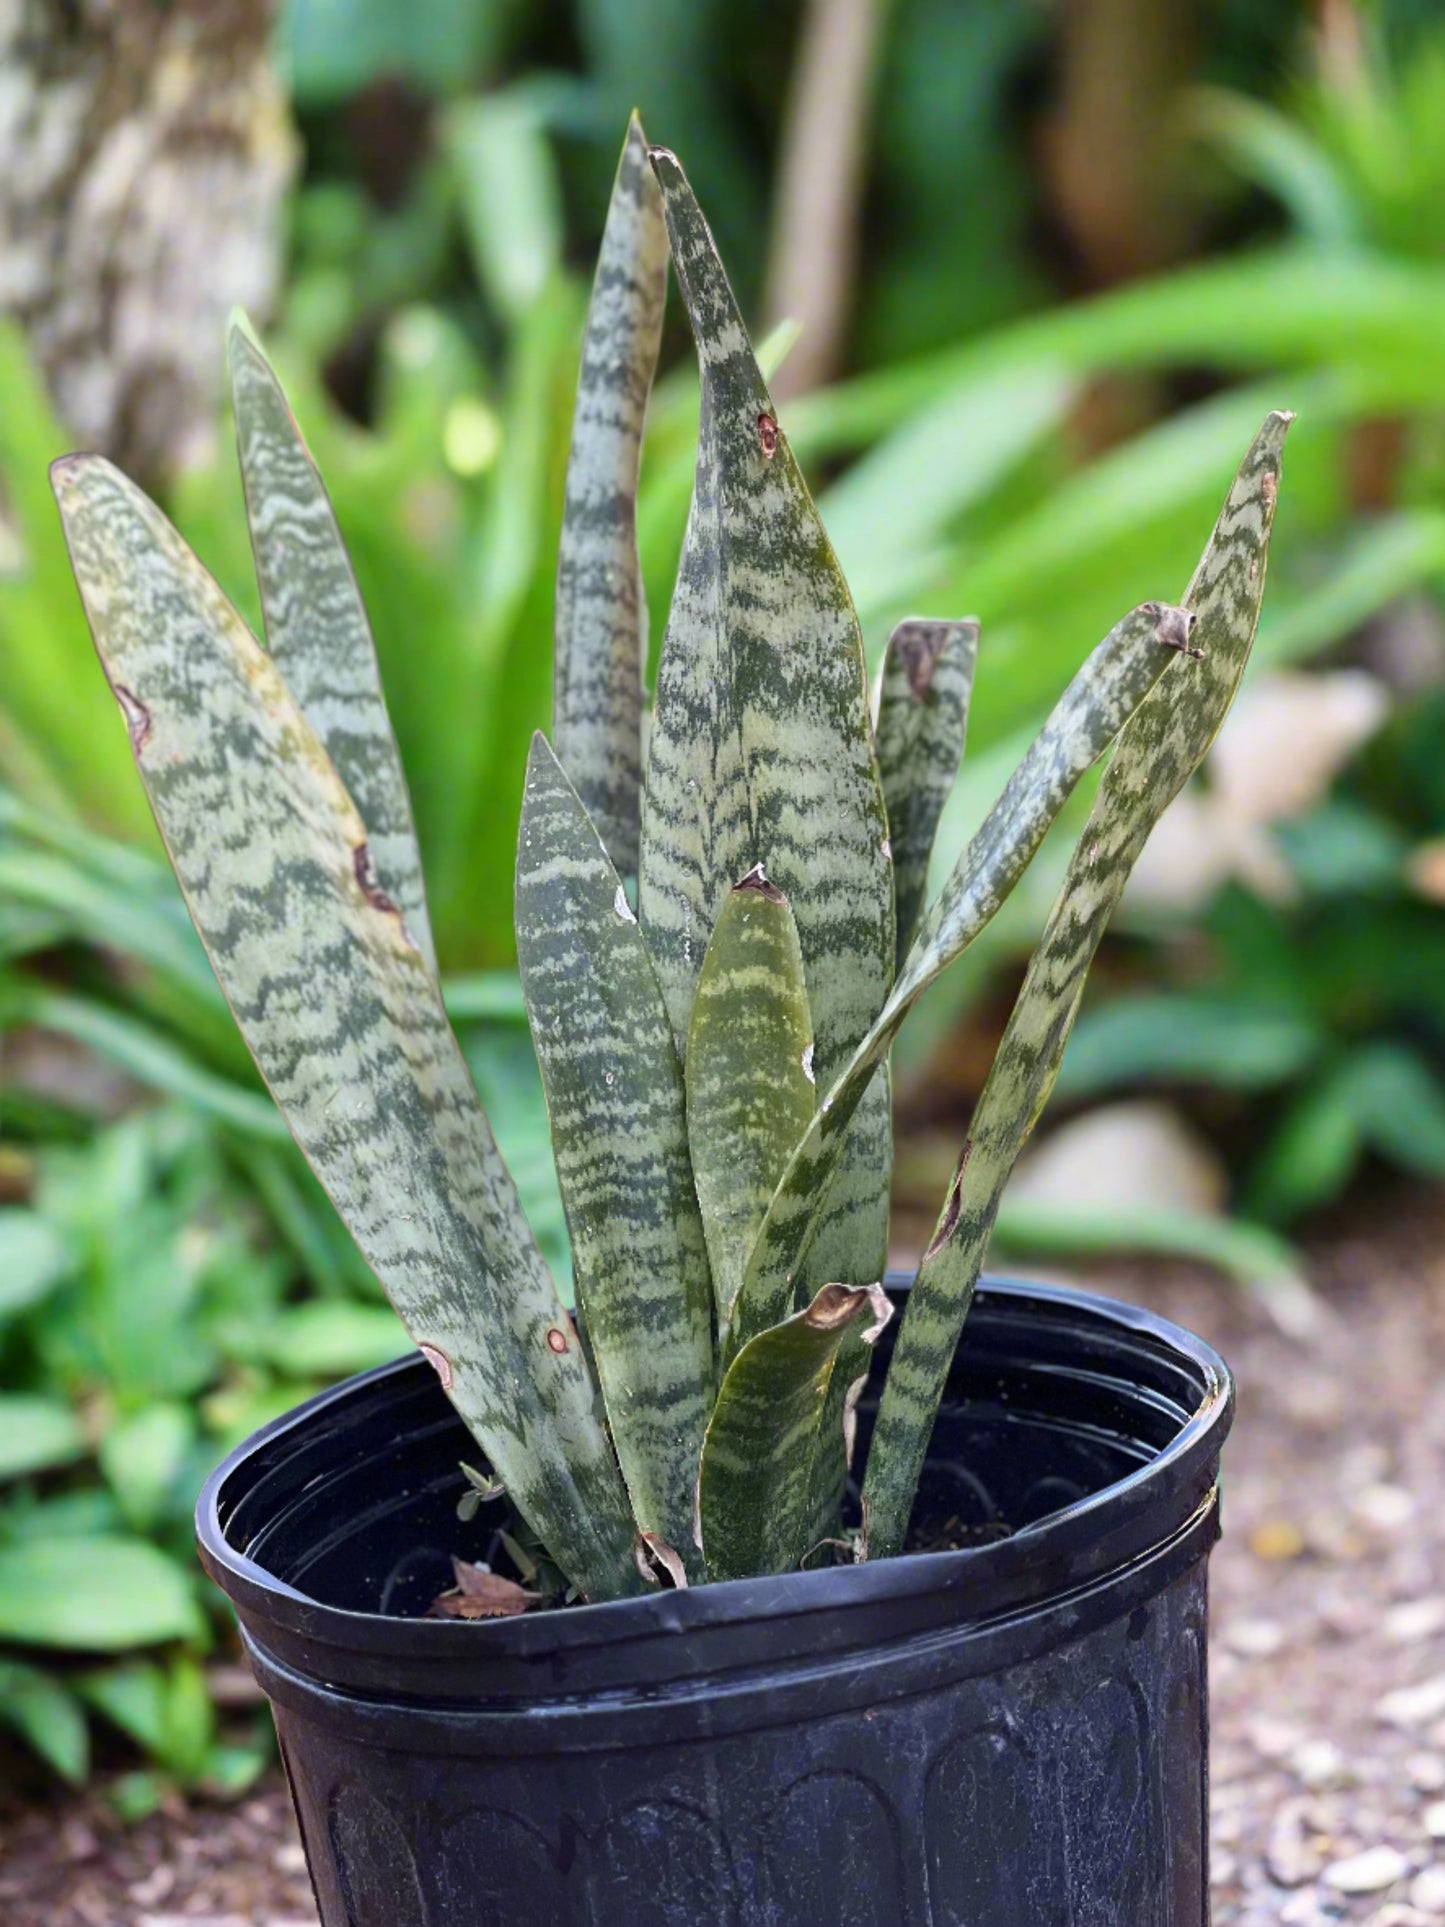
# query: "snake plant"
{"points": [[721, 925]]}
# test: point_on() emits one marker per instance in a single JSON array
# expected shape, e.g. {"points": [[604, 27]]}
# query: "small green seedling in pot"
{"points": [[720, 924]]}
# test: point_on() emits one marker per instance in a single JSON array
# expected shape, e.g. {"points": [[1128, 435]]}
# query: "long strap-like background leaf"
{"points": [[316, 625], [601, 617], [342, 1014], [1157, 753], [761, 750], [1102, 696], [619, 1135]]}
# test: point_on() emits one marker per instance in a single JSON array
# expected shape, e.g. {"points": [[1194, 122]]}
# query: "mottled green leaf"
{"points": [[36, 1433], [837, 1429], [750, 1089], [1156, 755], [601, 620], [1116, 678], [756, 1491], [316, 625], [342, 1013], [923, 701], [619, 1134], [760, 749]]}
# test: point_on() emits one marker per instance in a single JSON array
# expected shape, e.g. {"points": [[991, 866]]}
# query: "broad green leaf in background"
{"points": [[1157, 753], [342, 1013], [1379, 1096], [93, 1594], [165, 1709], [750, 1087], [760, 749], [1177, 1037], [37, 1433], [48, 1716], [1115, 679], [317, 628], [601, 616], [144, 1456], [923, 700], [34, 1258], [619, 1133], [754, 1496], [330, 1340]]}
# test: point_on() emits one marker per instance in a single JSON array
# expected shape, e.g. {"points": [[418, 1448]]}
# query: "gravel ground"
{"points": [[1328, 1638]]}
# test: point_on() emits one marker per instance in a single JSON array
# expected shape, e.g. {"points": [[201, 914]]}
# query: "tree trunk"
{"points": [[144, 152]]}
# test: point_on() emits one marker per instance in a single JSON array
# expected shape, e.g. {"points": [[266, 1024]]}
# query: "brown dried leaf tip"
{"points": [[481, 1594], [654, 1557], [919, 642], [1173, 627], [368, 881], [137, 717], [757, 881]]}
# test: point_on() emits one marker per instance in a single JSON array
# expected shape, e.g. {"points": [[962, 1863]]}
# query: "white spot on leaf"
{"points": [[808, 1065], [622, 906]]}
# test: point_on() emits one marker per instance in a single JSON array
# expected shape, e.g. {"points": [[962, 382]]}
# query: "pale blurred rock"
{"points": [[1427, 1890], [1411, 1706], [1426, 1772], [1222, 1867], [1434, 1819], [1292, 1854], [1140, 1152], [1369, 1872], [1254, 1638], [1287, 737], [1320, 1765], [1273, 1738], [1414, 1619], [1384, 1508]]}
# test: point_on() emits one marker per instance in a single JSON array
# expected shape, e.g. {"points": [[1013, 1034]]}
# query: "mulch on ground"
{"points": [[1328, 1637]]}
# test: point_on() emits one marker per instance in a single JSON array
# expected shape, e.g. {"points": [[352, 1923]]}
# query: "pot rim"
{"points": [[1132, 1502]]}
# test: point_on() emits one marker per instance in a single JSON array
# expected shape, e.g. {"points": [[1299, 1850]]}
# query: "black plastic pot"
{"points": [[1012, 1735]]}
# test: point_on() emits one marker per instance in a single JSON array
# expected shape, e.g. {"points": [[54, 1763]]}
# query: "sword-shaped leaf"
{"points": [[619, 1134], [922, 718], [1156, 755], [343, 1014], [316, 625], [1097, 703], [601, 619], [750, 1090], [760, 749], [754, 1497], [837, 1432]]}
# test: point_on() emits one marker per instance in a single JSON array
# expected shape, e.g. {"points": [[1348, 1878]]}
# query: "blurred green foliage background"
{"points": [[1073, 254]]}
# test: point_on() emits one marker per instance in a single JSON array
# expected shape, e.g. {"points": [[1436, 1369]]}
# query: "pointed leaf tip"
{"points": [[601, 622]]}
